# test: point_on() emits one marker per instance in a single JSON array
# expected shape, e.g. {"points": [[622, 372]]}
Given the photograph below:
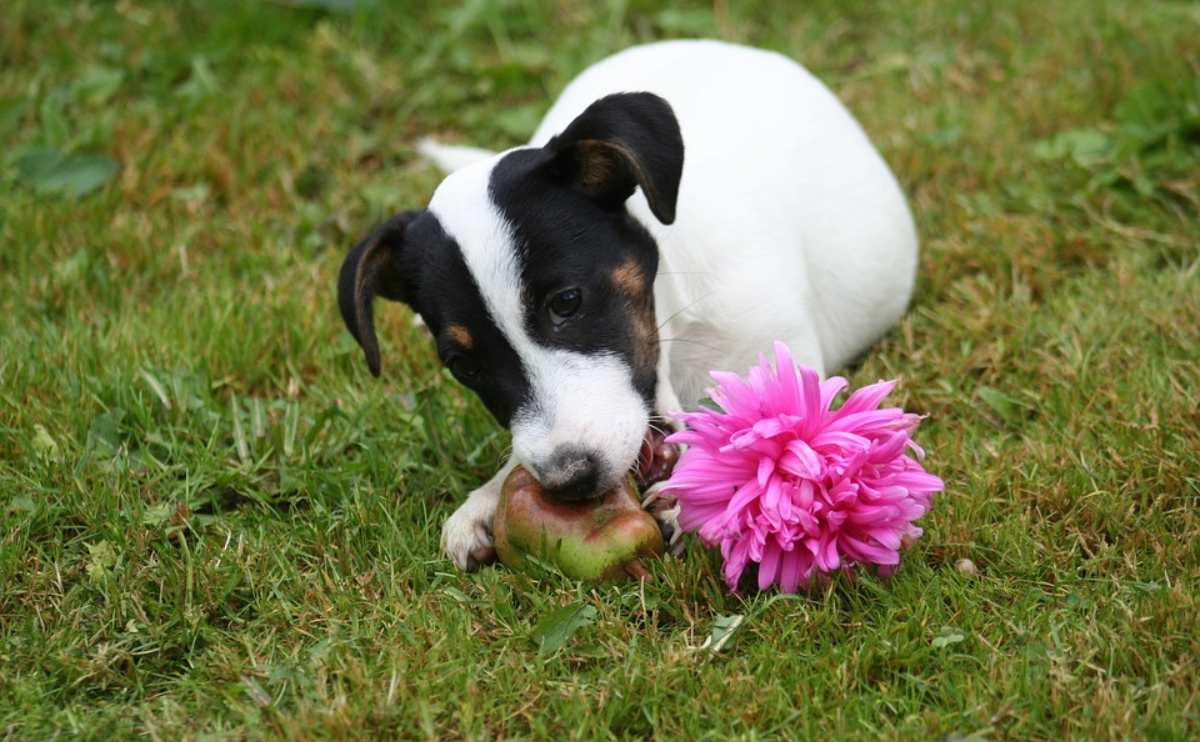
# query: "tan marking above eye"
{"points": [[628, 278], [461, 336]]}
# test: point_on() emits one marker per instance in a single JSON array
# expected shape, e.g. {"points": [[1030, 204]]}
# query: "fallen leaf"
{"points": [[44, 443], [722, 631], [260, 697]]}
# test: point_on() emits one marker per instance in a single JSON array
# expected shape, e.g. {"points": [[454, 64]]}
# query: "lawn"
{"points": [[215, 523]]}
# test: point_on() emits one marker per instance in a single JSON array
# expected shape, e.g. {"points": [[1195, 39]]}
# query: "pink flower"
{"points": [[780, 478]]}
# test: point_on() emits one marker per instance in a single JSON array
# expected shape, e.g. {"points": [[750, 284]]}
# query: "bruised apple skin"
{"points": [[599, 540]]}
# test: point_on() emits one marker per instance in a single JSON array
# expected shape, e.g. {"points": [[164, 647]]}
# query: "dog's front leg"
{"points": [[467, 534]]}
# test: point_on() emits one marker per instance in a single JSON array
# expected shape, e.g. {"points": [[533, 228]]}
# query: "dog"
{"points": [[682, 205]]}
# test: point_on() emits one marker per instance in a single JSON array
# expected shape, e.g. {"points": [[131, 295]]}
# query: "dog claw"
{"points": [[665, 509]]}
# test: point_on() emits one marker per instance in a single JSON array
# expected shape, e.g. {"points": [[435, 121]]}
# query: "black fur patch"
{"points": [[566, 204], [564, 240], [445, 294]]}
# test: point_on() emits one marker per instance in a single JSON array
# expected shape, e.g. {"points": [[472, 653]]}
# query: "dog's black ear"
{"points": [[372, 268], [620, 142]]}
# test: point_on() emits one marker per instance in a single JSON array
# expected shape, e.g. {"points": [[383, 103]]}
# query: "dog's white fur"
{"points": [[789, 226]]}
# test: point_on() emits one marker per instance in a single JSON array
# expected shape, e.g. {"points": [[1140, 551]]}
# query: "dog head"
{"points": [[538, 287]]}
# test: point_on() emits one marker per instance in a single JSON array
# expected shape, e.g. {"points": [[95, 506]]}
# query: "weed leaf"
{"points": [[557, 627], [52, 172], [1003, 405], [947, 637]]}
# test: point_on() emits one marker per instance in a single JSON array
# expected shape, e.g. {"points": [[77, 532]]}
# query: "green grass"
{"points": [[213, 522]]}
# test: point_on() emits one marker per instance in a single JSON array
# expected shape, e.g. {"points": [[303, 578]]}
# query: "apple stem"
{"points": [[635, 569]]}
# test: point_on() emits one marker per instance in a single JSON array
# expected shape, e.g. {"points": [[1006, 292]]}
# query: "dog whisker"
{"points": [[685, 308], [706, 346], [663, 431]]}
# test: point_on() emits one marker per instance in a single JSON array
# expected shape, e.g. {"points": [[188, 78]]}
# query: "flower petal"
{"points": [[769, 566]]}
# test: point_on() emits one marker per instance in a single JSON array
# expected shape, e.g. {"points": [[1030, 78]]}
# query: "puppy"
{"points": [[681, 206]]}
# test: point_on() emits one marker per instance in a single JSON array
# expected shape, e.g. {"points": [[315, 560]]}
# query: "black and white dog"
{"points": [[590, 280]]}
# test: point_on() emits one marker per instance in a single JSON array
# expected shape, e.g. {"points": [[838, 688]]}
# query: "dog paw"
{"points": [[467, 535], [665, 509], [657, 458]]}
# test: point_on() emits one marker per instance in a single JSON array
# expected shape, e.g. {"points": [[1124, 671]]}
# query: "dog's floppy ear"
{"points": [[372, 268], [622, 141]]}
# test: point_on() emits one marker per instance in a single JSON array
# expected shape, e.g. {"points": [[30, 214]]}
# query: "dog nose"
{"points": [[571, 474]]}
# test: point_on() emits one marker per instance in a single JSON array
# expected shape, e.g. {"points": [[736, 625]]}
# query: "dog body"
{"points": [[681, 206]]}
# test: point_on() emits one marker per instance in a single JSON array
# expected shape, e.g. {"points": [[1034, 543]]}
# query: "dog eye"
{"points": [[564, 305], [464, 368]]}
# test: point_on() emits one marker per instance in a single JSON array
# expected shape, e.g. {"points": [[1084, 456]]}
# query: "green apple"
{"points": [[601, 539]]}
